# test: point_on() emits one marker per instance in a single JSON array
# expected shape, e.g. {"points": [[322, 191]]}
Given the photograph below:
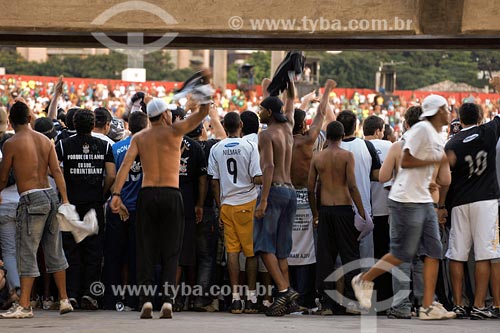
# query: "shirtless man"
{"points": [[334, 168], [303, 257], [32, 155], [277, 202], [160, 213]]}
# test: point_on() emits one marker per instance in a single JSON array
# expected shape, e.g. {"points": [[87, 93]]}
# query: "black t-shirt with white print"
{"points": [[83, 158], [473, 177], [193, 165]]}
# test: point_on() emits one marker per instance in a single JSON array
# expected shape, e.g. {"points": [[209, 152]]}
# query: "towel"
{"points": [[69, 220], [363, 226]]}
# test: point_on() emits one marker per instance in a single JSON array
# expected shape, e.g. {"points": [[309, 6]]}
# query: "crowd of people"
{"points": [[281, 195]]}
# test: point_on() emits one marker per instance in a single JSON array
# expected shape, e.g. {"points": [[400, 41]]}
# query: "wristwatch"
{"points": [[116, 194]]}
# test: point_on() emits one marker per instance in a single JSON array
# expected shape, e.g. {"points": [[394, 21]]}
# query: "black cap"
{"points": [[178, 113], [275, 104], [45, 126]]}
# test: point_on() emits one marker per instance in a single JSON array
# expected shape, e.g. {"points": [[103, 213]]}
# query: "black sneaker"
{"points": [[495, 311], [483, 313], [88, 303], [460, 311], [293, 307], [279, 306], [236, 307], [74, 303], [251, 307]]}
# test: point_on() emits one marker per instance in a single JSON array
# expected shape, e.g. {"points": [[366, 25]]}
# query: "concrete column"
{"points": [[276, 58], [220, 69], [183, 57], [206, 58]]}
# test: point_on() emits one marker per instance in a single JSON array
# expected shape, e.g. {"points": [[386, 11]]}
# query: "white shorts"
{"points": [[474, 223]]}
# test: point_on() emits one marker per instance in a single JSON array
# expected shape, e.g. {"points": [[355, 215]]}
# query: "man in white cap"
{"points": [[160, 213], [413, 218]]}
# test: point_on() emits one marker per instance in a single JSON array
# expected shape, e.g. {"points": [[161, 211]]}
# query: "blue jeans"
{"points": [[414, 230], [207, 233], [273, 232], [8, 243], [37, 224]]}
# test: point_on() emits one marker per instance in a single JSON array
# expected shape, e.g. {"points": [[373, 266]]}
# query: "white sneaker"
{"points": [[166, 311], [146, 311], [65, 306], [47, 303], [17, 312], [447, 314], [434, 312], [363, 291]]}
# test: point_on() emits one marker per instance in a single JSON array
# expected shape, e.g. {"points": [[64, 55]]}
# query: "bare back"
{"points": [[30, 159], [331, 166], [279, 136], [302, 154], [159, 150]]}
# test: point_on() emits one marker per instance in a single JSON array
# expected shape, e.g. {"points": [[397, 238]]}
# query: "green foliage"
{"points": [[414, 69], [262, 67], [158, 66]]}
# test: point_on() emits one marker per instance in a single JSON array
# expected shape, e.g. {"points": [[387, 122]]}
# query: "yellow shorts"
{"points": [[238, 227]]}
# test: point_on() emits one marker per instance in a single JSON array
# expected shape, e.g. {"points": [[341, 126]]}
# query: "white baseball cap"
{"points": [[431, 105], [156, 107]]}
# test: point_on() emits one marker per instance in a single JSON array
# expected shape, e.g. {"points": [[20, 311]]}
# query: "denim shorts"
{"points": [[414, 231], [273, 232], [36, 224]]}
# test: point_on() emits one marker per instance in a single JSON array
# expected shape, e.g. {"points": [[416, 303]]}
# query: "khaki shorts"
{"points": [[238, 227]]}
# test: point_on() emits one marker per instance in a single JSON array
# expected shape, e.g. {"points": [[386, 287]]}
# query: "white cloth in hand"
{"points": [[69, 220], [364, 226]]}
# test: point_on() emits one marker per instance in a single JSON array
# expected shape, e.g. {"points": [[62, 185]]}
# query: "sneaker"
{"points": [[166, 311], [294, 307], [88, 303], [460, 312], [74, 303], [251, 307], [447, 314], [480, 313], [279, 306], [353, 308], [17, 312], [363, 291], [146, 311], [47, 303], [65, 306], [35, 303], [435, 312], [495, 312], [236, 306], [394, 313]]}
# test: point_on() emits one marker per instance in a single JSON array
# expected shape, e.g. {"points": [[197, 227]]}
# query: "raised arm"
{"points": [[215, 123], [265, 84], [182, 127], [290, 99], [307, 99], [58, 90], [317, 123]]}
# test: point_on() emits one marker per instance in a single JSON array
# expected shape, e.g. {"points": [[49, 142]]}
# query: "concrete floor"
{"points": [[123, 322]]}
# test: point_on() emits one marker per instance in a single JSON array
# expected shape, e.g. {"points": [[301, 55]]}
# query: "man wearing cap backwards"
{"points": [[160, 213], [31, 155], [413, 218], [277, 202]]}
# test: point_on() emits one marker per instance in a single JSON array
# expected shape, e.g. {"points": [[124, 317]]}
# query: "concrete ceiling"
{"points": [[339, 24]]}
